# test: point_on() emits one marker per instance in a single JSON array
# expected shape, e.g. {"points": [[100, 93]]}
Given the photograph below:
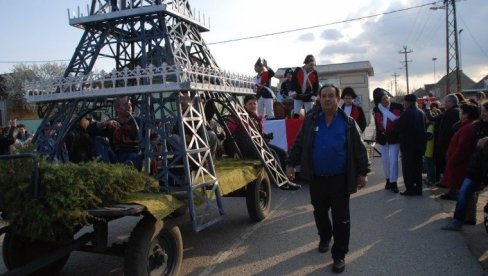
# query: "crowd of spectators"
{"points": [[448, 138]]}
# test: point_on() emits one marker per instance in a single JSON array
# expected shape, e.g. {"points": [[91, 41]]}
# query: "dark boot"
{"points": [[387, 184], [450, 195], [394, 187]]}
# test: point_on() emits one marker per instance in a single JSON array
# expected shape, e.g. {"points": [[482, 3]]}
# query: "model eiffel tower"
{"points": [[157, 51]]}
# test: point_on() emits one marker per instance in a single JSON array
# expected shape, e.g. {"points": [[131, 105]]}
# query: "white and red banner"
{"points": [[284, 131]]}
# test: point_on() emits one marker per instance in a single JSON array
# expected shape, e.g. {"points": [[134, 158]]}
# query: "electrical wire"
{"points": [[412, 27], [272, 34], [473, 37], [324, 25], [34, 61]]}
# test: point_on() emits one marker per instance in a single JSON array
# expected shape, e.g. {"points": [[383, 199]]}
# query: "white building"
{"points": [[352, 74]]}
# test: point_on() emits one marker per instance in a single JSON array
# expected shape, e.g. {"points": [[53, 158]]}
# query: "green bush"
{"points": [[66, 192]]}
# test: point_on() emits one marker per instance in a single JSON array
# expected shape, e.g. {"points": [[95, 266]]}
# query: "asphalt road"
{"points": [[390, 235]]}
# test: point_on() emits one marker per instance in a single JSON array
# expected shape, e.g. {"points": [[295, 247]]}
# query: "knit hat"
{"points": [[410, 98], [378, 94], [348, 91]]}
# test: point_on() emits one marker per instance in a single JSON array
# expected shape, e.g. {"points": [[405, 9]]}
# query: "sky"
{"points": [[38, 30]]}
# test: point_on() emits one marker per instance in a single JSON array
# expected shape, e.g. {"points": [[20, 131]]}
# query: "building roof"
{"points": [[482, 84], [429, 87], [466, 82], [358, 66], [420, 92]]}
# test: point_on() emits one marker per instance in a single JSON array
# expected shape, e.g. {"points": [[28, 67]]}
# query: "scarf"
{"points": [[387, 115]]}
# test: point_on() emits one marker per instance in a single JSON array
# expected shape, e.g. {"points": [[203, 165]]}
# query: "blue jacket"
{"points": [[357, 156]]}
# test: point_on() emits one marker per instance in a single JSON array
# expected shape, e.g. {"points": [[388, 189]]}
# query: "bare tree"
{"points": [[13, 82]]}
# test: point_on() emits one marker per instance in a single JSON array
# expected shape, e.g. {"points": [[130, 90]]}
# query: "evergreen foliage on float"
{"points": [[66, 192]]}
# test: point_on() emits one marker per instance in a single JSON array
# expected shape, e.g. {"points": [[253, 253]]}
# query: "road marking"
{"points": [[239, 241]]}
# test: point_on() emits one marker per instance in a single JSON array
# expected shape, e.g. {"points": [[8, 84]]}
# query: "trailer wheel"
{"points": [[258, 198], [155, 247], [19, 250]]}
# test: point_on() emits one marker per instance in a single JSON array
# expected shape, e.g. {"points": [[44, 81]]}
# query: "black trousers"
{"points": [[331, 193], [412, 170]]}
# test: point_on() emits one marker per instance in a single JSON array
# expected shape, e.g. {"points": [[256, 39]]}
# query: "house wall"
{"points": [[359, 81]]}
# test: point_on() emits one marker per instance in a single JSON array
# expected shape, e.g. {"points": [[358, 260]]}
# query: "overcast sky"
{"points": [[38, 30]]}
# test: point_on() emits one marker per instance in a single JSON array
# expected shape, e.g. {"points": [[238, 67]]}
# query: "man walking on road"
{"points": [[334, 160], [413, 140]]}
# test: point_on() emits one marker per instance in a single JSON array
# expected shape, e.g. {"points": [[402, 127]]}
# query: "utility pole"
{"points": [[396, 84], [405, 52], [453, 76], [453, 82]]}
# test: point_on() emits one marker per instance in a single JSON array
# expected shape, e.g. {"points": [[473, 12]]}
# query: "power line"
{"points": [[473, 37], [412, 27], [34, 61], [323, 25], [270, 34]]}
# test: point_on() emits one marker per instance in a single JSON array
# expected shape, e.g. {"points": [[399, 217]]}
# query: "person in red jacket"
{"points": [[305, 85], [460, 149], [355, 111], [263, 88]]}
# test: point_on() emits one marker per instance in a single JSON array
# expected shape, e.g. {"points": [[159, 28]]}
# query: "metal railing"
{"points": [[139, 80]]}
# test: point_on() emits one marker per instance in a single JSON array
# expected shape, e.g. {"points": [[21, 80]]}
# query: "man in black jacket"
{"points": [[413, 140], [334, 159], [445, 122], [123, 133]]}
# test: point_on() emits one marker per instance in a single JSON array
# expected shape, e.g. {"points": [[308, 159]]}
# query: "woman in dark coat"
{"points": [[355, 111]]}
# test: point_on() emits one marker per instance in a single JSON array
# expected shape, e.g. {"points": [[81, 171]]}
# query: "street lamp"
{"points": [[434, 59], [460, 51]]}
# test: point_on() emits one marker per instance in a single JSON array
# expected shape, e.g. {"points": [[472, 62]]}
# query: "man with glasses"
{"points": [[444, 131]]}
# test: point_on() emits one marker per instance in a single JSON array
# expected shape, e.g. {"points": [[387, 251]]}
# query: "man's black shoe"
{"points": [[408, 193], [339, 265], [394, 187], [290, 186], [449, 196], [440, 185], [324, 245], [387, 184]]}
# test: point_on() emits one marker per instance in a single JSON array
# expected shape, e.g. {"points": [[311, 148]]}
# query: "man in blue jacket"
{"points": [[334, 160]]}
